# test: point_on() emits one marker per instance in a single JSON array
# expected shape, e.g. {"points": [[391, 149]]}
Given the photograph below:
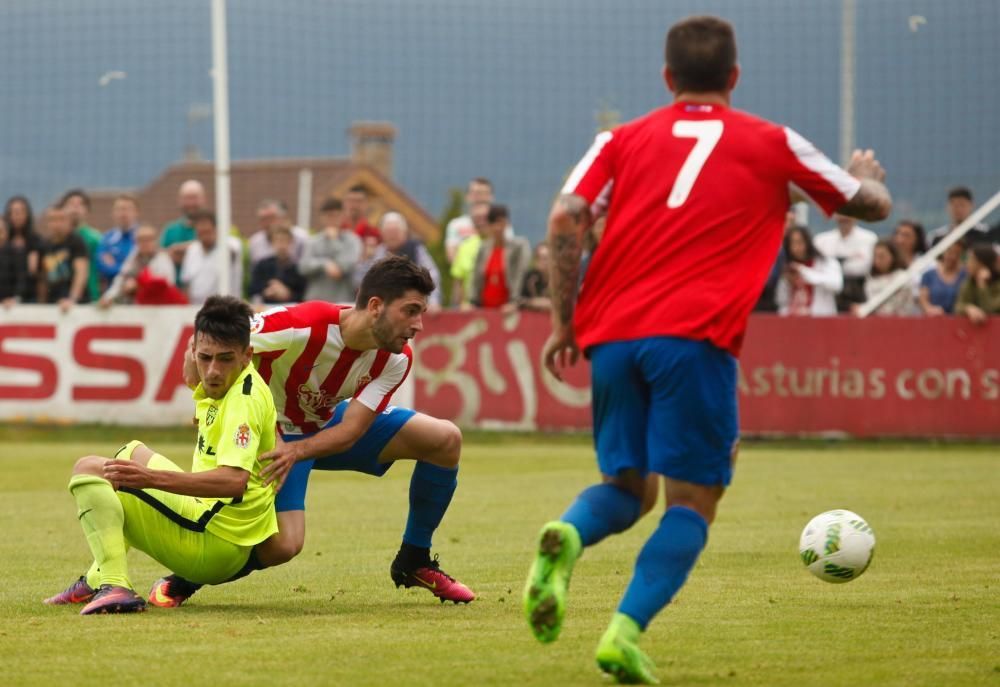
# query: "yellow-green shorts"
{"points": [[170, 528]]}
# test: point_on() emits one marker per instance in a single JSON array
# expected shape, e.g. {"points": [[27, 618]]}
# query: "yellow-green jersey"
{"points": [[463, 267], [234, 431]]}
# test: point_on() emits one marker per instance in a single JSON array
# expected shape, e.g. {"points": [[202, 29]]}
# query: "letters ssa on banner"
{"points": [[87, 366]]}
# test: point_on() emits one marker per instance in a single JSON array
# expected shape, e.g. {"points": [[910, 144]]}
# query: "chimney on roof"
{"points": [[192, 154], [371, 144]]}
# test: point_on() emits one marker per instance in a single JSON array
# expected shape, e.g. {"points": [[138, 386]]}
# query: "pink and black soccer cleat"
{"points": [[432, 578], [77, 593], [114, 599], [171, 591]]}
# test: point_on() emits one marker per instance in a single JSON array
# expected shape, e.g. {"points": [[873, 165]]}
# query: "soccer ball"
{"points": [[837, 546]]}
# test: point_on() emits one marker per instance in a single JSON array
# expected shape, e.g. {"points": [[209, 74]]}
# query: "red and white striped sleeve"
{"points": [[377, 393], [593, 176], [825, 183], [271, 330]]}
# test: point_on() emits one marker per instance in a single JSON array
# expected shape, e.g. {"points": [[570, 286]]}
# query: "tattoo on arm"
{"points": [[569, 219], [565, 275], [576, 207], [872, 202]]}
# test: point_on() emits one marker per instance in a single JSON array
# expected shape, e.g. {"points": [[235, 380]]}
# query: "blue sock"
{"points": [[664, 563], [431, 489], [601, 510]]}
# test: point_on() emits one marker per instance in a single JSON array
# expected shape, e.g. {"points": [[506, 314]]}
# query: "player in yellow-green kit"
{"points": [[201, 524]]}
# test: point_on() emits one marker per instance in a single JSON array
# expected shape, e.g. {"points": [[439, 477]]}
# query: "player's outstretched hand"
{"points": [[278, 462], [560, 351], [125, 473], [863, 165]]}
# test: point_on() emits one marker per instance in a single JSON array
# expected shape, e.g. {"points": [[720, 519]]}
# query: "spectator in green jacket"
{"points": [[979, 296]]}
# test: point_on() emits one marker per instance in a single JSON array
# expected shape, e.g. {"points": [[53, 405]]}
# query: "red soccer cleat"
{"points": [[171, 591], [77, 593], [431, 577], [113, 599]]}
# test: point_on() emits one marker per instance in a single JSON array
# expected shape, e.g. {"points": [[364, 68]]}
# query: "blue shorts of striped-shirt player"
{"points": [[362, 457]]}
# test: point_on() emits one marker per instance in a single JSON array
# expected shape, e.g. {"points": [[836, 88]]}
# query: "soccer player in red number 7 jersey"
{"points": [[695, 195]]}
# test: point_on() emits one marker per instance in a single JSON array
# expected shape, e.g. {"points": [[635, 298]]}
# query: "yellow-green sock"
{"points": [[103, 521], [93, 576]]}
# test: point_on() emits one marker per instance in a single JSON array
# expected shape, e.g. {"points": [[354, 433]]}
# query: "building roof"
{"points": [[255, 180]]}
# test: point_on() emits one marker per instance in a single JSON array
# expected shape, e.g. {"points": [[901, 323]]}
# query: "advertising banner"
{"points": [[903, 377]]}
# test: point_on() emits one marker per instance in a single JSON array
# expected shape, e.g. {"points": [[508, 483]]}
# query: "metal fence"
{"points": [[108, 93]]}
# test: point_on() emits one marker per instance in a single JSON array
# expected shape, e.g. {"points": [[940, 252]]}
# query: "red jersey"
{"points": [[696, 197], [364, 230], [300, 353], [495, 292]]}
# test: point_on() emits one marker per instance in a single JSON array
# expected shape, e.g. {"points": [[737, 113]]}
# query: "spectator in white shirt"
{"points": [[852, 246], [960, 206], [200, 269], [886, 267], [271, 213], [811, 281]]}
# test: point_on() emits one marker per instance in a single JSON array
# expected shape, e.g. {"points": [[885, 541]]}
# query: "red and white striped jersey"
{"points": [[300, 353], [696, 197]]}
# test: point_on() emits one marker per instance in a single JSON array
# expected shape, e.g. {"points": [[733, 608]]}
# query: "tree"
{"points": [[454, 207]]}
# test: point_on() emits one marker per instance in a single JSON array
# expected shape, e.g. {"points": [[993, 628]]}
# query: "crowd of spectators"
{"points": [[65, 260], [839, 270]]}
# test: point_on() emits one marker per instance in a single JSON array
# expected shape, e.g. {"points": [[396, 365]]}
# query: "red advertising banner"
{"points": [[485, 369], [934, 377], [798, 376], [873, 377]]}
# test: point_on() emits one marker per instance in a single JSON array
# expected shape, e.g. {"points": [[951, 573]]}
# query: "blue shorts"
{"points": [[665, 405], [362, 457]]}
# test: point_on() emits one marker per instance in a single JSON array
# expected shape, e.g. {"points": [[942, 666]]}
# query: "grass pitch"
{"points": [[927, 612]]}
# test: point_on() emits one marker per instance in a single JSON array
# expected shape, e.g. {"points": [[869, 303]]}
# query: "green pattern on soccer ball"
{"points": [[832, 539], [862, 526], [808, 556], [838, 571]]}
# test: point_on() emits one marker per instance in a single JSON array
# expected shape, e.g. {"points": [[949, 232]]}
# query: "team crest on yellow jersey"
{"points": [[243, 436], [210, 415]]}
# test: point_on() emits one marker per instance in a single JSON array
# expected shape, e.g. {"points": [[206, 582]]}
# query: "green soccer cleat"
{"points": [[548, 582], [619, 655]]}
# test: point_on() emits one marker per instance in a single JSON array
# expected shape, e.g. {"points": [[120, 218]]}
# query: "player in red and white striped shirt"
{"points": [[332, 371], [302, 349], [695, 194]]}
